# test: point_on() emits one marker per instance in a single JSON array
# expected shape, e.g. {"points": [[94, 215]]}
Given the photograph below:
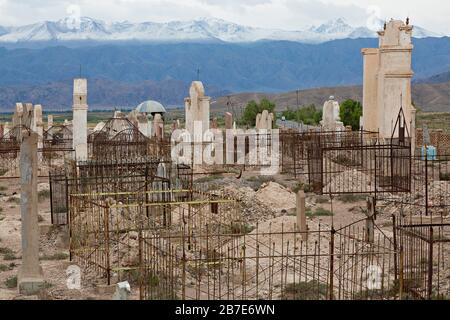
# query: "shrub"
{"points": [[43, 195], [351, 198], [303, 186], [350, 113], [11, 282], [56, 256], [320, 212], [444, 176], [240, 228], [311, 290], [209, 179], [322, 199], [308, 115], [257, 182], [13, 200], [253, 108], [4, 267]]}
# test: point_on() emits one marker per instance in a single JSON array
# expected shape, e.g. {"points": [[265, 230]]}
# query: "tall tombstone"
{"points": [[387, 79], [301, 215], [18, 114], [258, 121], [158, 124], [270, 121], [214, 124], [331, 119], [228, 121], [143, 125], [30, 277], [197, 108], [174, 125], [80, 109], [38, 124], [133, 118], [49, 121]]}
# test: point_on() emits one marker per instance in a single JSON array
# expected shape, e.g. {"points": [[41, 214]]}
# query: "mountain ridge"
{"points": [[202, 29]]}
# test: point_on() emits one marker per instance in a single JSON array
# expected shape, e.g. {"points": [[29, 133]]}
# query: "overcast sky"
{"points": [[283, 14]]}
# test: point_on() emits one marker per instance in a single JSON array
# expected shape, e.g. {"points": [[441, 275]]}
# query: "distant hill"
{"points": [[427, 97], [102, 94], [127, 73], [438, 78]]}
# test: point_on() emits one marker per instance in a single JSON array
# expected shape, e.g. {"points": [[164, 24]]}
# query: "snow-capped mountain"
{"points": [[205, 29]]}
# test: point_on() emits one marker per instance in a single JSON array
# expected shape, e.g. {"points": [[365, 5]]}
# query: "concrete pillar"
{"points": [[30, 277], [413, 131], [143, 125], [370, 90], [158, 124], [258, 121], [214, 124], [174, 125], [228, 121], [387, 79], [18, 114], [38, 124], [197, 107], [80, 109], [301, 215], [49, 121]]}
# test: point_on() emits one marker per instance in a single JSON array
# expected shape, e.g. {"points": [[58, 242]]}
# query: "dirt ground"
{"points": [[272, 195]]}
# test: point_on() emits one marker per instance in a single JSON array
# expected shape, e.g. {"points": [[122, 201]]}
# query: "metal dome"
{"points": [[151, 107]]}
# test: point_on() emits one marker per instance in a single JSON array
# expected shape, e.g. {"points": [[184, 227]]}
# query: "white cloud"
{"points": [[283, 14]]}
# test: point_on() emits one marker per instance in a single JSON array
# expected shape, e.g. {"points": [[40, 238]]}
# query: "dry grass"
{"points": [[56, 256]]}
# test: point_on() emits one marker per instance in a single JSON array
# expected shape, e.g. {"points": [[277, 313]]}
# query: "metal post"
{"points": [[430, 265], [331, 295], [394, 232], [401, 274], [426, 183]]}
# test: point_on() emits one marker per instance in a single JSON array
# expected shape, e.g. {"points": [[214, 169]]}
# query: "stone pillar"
{"points": [[228, 121], [197, 107], [30, 277], [270, 121], [49, 121], [18, 114], [214, 124], [174, 125], [301, 215], [158, 124], [38, 125], [143, 125], [370, 90], [80, 109], [258, 121], [413, 132], [387, 79]]}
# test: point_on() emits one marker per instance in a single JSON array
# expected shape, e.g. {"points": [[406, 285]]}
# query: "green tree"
{"points": [[252, 109], [308, 115], [350, 113]]}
